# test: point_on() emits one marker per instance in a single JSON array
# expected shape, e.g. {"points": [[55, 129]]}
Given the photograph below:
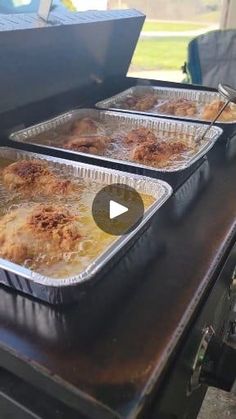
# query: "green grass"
{"points": [[211, 17], [160, 54], [157, 26]]}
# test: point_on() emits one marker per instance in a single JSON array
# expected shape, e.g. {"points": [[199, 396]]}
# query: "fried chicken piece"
{"points": [[146, 102], [27, 232], [179, 107], [33, 177], [130, 102], [211, 109], [94, 144], [84, 126], [140, 103], [139, 135], [157, 153]]}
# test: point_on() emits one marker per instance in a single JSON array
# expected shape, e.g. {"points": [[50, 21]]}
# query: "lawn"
{"points": [[211, 17], [157, 26], [160, 53]]}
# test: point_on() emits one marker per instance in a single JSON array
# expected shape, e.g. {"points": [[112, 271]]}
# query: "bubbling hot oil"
{"points": [[117, 148], [93, 241]]}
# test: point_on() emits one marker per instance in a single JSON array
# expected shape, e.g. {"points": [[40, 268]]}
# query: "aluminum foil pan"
{"points": [[51, 134], [57, 291], [186, 195], [230, 149], [164, 94]]}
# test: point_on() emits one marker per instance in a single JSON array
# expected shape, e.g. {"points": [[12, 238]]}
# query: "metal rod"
{"points": [[215, 119]]}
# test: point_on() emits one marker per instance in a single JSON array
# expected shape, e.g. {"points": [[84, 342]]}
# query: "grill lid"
{"points": [[72, 50]]}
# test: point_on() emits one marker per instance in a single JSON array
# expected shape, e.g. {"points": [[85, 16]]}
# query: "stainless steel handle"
{"points": [[230, 95], [228, 92]]}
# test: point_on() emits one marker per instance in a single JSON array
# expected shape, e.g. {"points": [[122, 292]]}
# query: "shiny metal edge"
{"points": [[134, 120], [143, 184], [204, 96]]}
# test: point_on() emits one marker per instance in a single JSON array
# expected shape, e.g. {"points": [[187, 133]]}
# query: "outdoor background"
{"points": [[169, 26]]}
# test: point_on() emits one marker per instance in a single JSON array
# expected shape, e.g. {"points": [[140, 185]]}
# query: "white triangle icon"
{"points": [[116, 209]]}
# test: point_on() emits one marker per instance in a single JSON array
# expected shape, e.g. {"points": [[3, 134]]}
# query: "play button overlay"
{"points": [[117, 209]]}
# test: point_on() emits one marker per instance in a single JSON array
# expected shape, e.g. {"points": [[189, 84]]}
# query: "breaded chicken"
{"points": [[146, 102], [33, 177], [130, 102], [179, 107], [94, 144], [140, 103], [158, 153], [29, 231], [140, 135], [211, 109], [84, 126]]}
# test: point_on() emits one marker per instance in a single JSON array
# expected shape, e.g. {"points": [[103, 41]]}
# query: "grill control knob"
{"points": [[208, 333], [215, 363]]}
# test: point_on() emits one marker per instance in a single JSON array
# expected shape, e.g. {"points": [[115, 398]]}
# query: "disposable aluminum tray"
{"points": [[116, 121], [201, 98], [57, 291]]}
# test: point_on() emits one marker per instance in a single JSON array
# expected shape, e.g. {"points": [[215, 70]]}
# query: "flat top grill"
{"points": [[117, 355], [105, 353]]}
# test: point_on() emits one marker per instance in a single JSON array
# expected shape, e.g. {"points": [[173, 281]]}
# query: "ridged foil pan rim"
{"points": [[179, 92], [27, 134], [117, 245]]}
